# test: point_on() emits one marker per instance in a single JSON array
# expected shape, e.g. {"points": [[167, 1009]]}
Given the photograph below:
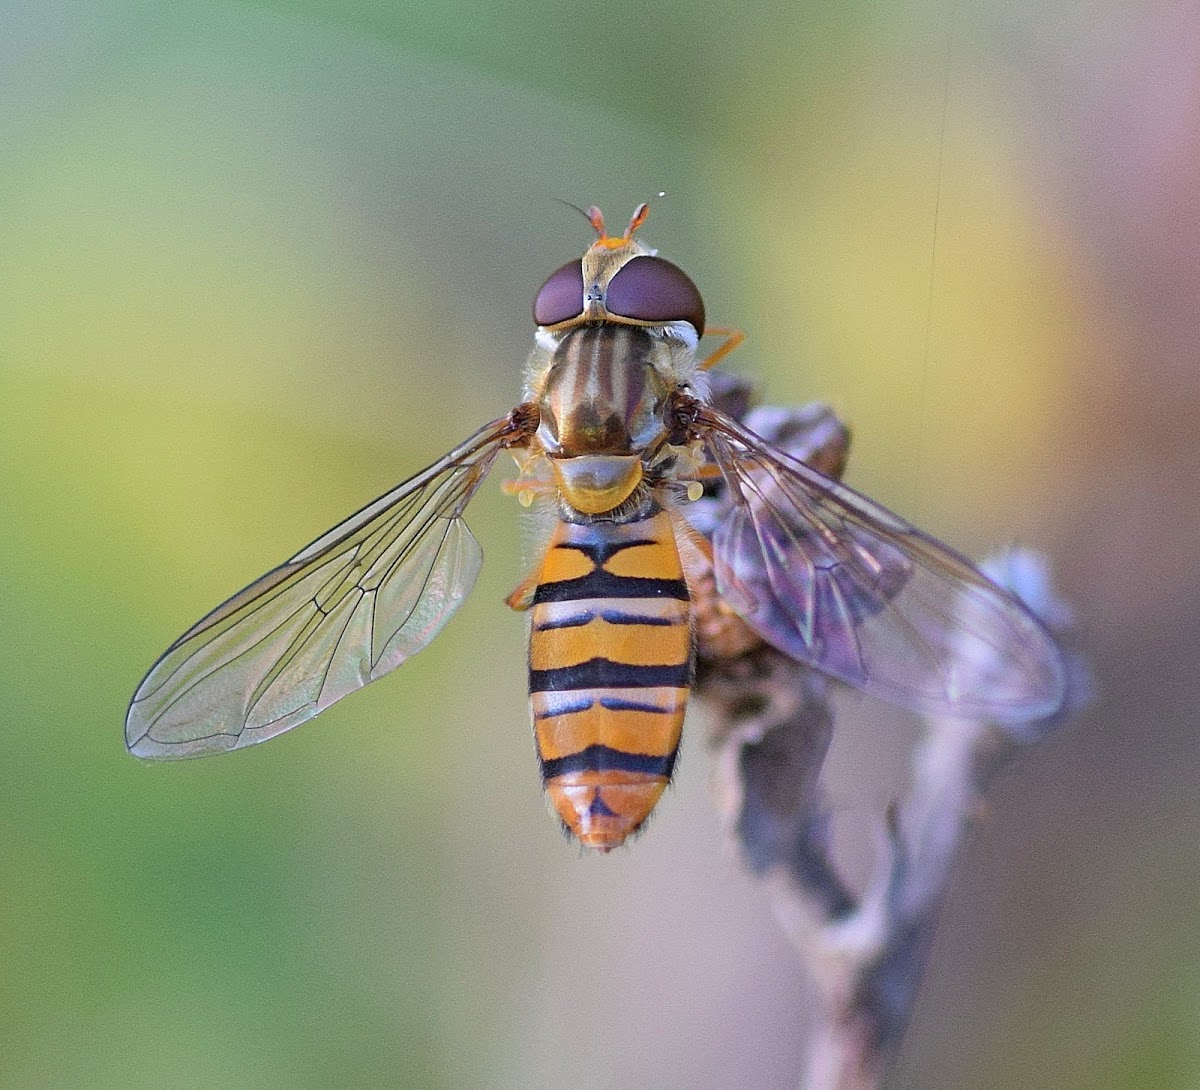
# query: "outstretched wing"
{"points": [[835, 580], [342, 612]]}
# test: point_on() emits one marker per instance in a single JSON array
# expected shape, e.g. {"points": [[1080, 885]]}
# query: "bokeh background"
{"points": [[259, 261]]}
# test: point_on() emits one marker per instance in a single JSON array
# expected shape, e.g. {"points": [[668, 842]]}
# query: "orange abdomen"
{"points": [[610, 665]]}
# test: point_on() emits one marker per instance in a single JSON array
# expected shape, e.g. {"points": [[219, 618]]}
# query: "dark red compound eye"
{"points": [[651, 289], [561, 297]]}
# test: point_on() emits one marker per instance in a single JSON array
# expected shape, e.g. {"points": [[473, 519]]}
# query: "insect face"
{"points": [[618, 280]]}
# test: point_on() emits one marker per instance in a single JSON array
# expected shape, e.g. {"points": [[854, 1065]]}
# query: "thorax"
{"points": [[601, 400]]}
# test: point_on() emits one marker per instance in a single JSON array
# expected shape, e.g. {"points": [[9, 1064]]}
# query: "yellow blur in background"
{"points": [[261, 261]]}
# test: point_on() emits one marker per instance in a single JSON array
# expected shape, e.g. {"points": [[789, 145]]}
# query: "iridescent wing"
{"points": [[835, 580], [342, 612]]}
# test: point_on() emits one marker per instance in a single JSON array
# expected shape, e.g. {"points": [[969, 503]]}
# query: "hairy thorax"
{"points": [[601, 402]]}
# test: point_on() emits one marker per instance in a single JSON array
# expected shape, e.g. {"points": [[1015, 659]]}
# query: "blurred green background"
{"points": [[260, 261]]}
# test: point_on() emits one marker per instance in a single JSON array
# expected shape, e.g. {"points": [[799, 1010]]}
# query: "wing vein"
{"points": [[282, 649]]}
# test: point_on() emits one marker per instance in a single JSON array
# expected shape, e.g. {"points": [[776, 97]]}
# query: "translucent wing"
{"points": [[342, 612], [835, 580]]}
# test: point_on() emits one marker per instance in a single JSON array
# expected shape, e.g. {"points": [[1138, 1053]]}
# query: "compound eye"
{"points": [[561, 297], [651, 289]]}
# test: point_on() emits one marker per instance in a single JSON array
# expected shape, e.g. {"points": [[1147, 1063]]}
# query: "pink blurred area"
{"points": [[1075, 910]]}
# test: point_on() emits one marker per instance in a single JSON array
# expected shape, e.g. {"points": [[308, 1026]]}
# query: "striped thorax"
{"points": [[601, 413]]}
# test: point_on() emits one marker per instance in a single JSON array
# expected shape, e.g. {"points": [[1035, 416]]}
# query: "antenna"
{"points": [[638, 218], [592, 214]]}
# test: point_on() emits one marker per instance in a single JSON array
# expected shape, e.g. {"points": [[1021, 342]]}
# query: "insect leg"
{"points": [[733, 338]]}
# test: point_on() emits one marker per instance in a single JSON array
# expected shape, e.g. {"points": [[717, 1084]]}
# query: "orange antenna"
{"points": [[596, 218], [639, 217]]}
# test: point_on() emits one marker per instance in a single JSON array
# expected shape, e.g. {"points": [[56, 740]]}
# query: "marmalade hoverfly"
{"points": [[616, 433]]}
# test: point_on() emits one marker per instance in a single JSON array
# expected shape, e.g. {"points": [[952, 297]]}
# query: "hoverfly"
{"points": [[614, 436]]}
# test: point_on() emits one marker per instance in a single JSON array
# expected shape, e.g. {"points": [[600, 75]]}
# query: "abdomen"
{"points": [[610, 665]]}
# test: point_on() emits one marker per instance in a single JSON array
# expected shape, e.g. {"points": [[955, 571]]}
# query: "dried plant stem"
{"points": [[772, 722], [771, 725]]}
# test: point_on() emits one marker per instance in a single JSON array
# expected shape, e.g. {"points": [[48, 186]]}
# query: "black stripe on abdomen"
{"points": [[603, 584], [601, 673], [599, 758]]}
